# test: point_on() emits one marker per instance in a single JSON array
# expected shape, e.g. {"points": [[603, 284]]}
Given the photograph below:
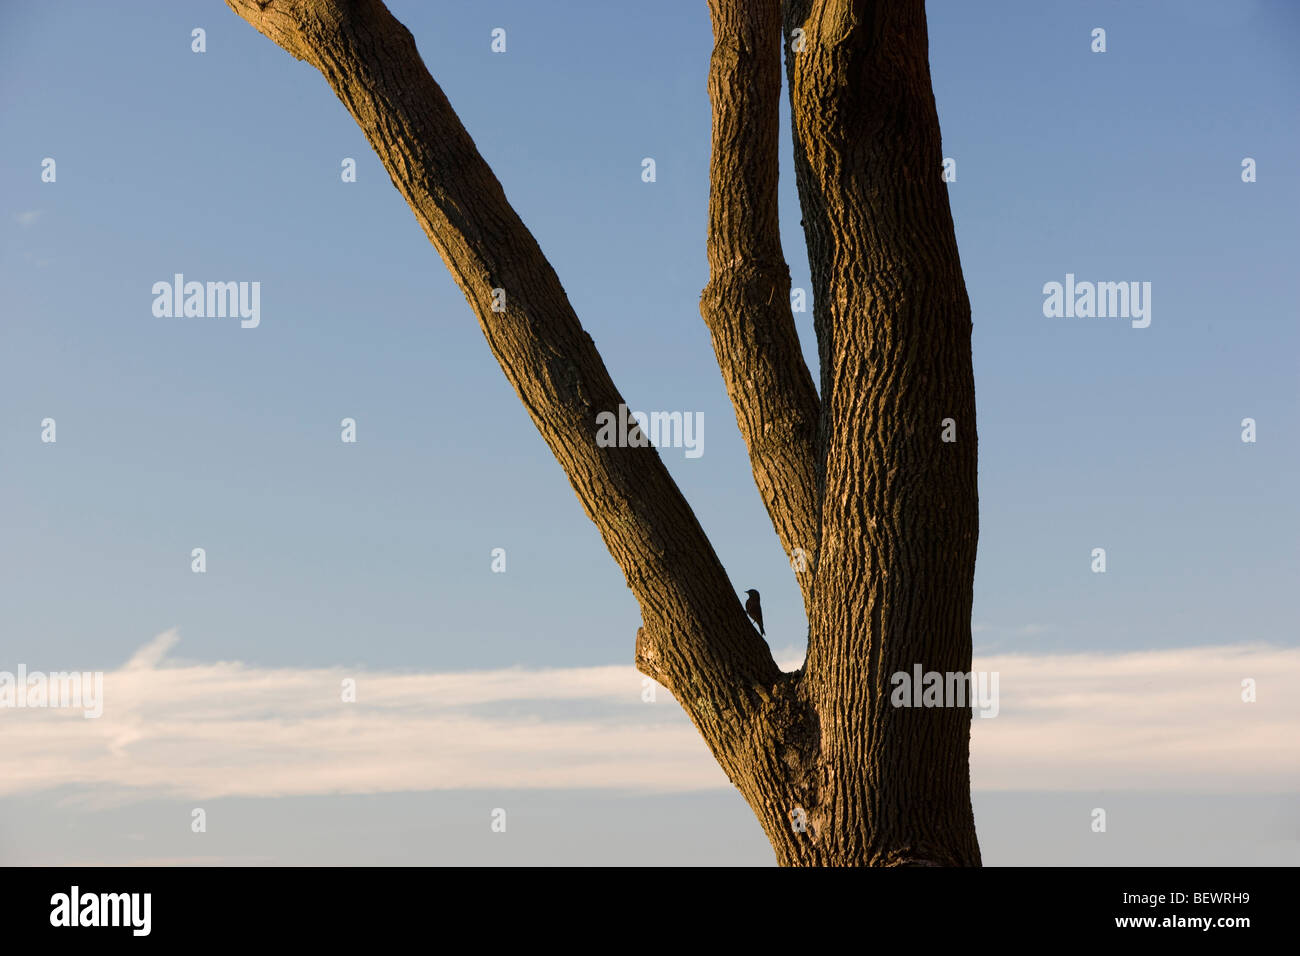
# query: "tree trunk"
{"points": [[878, 512], [900, 514]]}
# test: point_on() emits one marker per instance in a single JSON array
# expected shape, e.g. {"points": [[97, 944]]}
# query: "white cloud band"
{"points": [[1170, 719]]}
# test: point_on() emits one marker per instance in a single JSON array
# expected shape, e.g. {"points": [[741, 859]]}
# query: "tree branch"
{"points": [[696, 639], [746, 304]]}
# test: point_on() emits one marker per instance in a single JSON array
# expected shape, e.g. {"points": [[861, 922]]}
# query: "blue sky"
{"points": [[183, 433]]}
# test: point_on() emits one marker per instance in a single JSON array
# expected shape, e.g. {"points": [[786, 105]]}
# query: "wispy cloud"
{"points": [[1149, 720], [29, 217], [1171, 719], [1023, 630]]}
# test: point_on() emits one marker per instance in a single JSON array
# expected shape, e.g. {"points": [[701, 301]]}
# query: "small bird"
{"points": [[755, 610]]}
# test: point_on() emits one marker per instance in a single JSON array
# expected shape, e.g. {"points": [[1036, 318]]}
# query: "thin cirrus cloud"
{"points": [[1170, 719]]}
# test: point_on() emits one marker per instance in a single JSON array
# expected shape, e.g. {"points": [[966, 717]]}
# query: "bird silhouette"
{"points": [[755, 610]]}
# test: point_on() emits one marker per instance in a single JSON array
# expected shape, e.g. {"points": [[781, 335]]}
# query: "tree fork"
{"points": [[856, 478]]}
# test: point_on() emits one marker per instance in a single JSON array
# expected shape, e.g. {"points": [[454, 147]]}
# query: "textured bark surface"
{"points": [[746, 304], [900, 515], [859, 480]]}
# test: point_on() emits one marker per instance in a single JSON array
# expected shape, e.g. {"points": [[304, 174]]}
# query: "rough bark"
{"points": [[900, 514], [859, 479], [746, 304]]}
